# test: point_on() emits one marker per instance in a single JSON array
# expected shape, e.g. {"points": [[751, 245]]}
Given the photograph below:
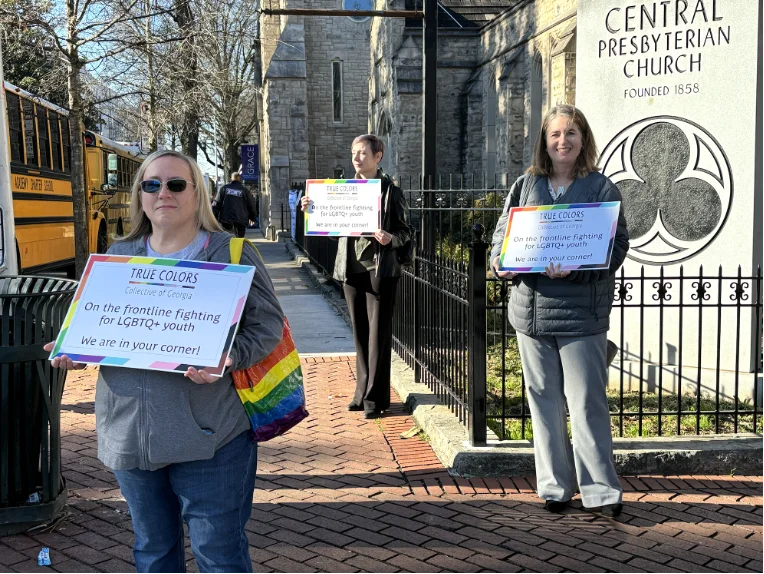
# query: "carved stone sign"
{"points": [[676, 181], [669, 88]]}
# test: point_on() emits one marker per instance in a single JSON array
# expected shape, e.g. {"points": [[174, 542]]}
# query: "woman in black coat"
{"points": [[369, 269]]}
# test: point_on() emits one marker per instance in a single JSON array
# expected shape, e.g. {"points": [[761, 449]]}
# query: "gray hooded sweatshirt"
{"points": [[149, 419]]}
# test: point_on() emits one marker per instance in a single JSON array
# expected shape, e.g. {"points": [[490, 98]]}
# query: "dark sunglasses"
{"points": [[176, 185]]}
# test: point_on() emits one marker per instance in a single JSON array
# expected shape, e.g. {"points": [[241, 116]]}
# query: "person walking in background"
{"points": [[562, 318], [182, 448], [234, 206], [369, 269]]}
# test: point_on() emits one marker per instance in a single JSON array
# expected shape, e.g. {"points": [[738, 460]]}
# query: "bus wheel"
{"points": [[103, 239]]}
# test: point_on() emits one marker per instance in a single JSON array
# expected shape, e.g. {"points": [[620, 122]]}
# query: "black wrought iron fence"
{"points": [[688, 358], [689, 352], [444, 215], [431, 326]]}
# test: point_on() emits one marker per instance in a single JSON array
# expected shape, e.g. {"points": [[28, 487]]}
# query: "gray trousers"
{"points": [[556, 368]]}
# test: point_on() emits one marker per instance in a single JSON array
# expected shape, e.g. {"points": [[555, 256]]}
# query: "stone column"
{"points": [[285, 127]]}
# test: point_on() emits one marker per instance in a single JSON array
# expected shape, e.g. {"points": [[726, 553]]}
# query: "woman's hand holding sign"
{"points": [[304, 202], [63, 362], [383, 236], [501, 274], [203, 377], [555, 272]]}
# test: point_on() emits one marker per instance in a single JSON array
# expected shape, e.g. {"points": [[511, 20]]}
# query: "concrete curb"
{"points": [[715, 455]]}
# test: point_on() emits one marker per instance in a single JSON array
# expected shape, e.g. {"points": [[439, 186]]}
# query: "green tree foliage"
{"points": [[31, 62]]}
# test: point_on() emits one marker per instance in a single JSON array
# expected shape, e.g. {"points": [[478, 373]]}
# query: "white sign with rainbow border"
{"points": [[343, 207], [574, 235], [153, 313]]}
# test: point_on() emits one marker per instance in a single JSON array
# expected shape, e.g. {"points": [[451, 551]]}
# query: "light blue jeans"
{"points": [[214, 497], [573, 370]]}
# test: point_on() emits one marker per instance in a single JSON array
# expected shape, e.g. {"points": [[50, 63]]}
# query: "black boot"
{"points": [[555, 505]]}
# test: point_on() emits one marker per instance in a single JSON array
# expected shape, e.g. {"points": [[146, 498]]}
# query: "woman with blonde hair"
{"points": [[561, 319], [181, 446]]}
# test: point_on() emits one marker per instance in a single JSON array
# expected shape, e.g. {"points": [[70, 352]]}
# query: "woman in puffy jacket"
{"points": [[561, 318]]}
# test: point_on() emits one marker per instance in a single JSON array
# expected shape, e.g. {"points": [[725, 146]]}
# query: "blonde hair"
{"points": [[140, 223], [586, 162]]}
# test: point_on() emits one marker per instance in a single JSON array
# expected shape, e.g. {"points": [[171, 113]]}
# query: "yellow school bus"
{"points": [[110, 168], [41, 181], [39, 138]]}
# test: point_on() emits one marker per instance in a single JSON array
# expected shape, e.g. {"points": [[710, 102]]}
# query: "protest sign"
{"points": [[154, 313], [343, 207], [576, 236]]}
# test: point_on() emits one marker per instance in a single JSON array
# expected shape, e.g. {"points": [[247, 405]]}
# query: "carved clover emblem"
{"points": [[676, 185]]}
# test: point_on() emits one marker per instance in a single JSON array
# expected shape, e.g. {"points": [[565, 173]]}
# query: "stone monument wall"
{"points": [[670, 89]]}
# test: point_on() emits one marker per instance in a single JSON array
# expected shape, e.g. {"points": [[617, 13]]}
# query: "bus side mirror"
{"points": [[112, 181], [111, 186]]}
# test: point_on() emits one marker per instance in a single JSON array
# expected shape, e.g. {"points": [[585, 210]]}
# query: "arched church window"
{"points": [[358, 5]]}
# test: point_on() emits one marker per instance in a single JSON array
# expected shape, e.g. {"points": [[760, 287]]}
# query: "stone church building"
{"points": [[501, 65]]}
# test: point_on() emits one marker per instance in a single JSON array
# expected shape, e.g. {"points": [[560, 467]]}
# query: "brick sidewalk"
{"points": [[342, 494]]}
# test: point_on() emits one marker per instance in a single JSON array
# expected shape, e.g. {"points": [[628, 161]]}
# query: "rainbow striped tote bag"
{"points": [[271, 390]]}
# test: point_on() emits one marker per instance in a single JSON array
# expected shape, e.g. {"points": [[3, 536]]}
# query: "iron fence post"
{"points": [[417, 323], [476, 349], [429, 119]]}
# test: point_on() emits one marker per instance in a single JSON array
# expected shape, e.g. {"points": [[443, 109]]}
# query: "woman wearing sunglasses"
{"points": [[181, 446]]}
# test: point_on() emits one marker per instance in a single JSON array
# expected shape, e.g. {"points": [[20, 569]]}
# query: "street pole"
{"points": [[9, 265], [429, 120]]}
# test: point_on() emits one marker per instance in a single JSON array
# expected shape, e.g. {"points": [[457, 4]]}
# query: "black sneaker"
{"points": [[555, 505], [372, 414], [611, 510], [354, 407]]}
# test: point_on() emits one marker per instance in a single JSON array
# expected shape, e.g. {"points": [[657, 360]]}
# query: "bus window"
{"points": [[30, 133], [105, 168], [66, 143], [55, 140], [42, 130], [14, 126]]}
